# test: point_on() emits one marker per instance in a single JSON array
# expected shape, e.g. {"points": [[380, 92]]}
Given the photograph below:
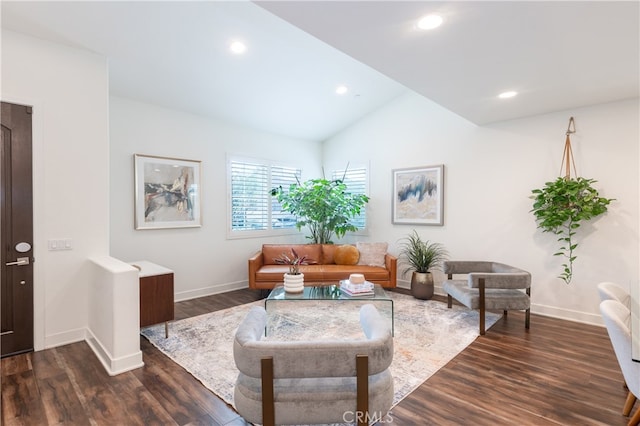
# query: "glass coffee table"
{"points": [[278, 300]]}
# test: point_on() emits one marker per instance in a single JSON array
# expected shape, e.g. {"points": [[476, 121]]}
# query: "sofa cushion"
{"points": [[334, 273], [372, 254], [275, 273], [328, 253], [346, 255], [274, 251], [495, 298]]}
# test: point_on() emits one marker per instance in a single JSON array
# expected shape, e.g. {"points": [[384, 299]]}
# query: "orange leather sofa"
{"points": [[265, 273]]}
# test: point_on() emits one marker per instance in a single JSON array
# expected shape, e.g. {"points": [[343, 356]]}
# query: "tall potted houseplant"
{"points": [[324, 206], [420, 257]]}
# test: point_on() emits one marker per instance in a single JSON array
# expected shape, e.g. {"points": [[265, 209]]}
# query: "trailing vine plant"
{"points": [[560, 207]]}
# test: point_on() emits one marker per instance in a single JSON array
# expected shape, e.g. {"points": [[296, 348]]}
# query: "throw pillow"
{"points": [[346, 255], [372, 254]]}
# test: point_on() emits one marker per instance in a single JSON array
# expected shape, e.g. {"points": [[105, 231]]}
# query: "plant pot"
{"points": [[294, 283], [422, 285]]}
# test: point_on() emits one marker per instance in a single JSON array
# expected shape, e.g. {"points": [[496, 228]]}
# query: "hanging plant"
{"points": [[560, 207]]}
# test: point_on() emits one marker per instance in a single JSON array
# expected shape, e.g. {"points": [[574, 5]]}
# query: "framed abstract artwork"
{"points": [[418, 195], [167, 192]]}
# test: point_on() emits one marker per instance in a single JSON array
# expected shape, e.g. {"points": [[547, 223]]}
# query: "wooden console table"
{"points": [[156, 294]]}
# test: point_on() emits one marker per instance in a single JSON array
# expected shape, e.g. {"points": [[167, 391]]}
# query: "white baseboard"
{"points": [[65, 338], [208, 291], [567, 314], [544, 310], [112, 365]]}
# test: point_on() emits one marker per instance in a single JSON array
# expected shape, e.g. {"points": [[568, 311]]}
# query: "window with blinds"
{"points": [[356, 181], [252, 206]]}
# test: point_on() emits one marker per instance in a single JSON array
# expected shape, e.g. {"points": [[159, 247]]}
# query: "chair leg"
{"points": [[628, 404], [449, 301], [527, 318], [268, 403], [635, 420], [362, 389], [482, 312]]}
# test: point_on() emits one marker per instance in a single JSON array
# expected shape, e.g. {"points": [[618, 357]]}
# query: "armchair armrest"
{"points": [[255, 262], [391, 264], [304, 359], [511, 280]]}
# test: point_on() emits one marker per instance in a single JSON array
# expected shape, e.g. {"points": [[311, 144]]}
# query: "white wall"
{"points": [[68, 89], [489, 174], [203, 259], [114, 314]]}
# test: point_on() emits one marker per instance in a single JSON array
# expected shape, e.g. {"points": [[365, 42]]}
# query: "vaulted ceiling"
{"points": [[557, 55]]}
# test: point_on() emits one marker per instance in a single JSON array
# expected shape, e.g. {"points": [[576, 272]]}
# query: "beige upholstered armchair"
{"points": [[313, 382], [488, 285]]}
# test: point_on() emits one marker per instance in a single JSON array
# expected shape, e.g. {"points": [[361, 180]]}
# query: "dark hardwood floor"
{"points": [[557, 373]]}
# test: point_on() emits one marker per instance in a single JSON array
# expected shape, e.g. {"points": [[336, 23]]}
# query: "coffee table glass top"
{"points": [[278, 299], [325, 292], [635, 320]]}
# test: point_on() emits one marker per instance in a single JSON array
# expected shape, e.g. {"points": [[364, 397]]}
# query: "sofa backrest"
{"points": [[321, 254], [272, 251]]}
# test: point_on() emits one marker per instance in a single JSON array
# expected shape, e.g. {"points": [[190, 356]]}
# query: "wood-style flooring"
{"points": [[557, 373]]}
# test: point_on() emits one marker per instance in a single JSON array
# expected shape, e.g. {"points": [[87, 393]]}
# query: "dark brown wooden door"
{"points": [[16, 230]]}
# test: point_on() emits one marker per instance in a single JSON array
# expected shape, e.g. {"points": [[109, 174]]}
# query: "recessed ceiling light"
{"points": [[238, 47], [429, 22], [342, 89], [507, 95]]}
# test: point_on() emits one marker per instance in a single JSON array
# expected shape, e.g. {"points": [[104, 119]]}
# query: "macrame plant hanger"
{"points": [[567, 155]]}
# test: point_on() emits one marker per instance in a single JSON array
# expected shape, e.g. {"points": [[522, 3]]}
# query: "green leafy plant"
{"points": [[421, 256], [560, 207], [294, 261], [323, 205]]}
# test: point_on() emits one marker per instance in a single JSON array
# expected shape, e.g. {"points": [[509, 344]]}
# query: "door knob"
{"points": [[21, 261]]}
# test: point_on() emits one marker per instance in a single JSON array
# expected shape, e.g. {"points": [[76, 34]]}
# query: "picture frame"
{"points": [[167, 192], [418, 195]]}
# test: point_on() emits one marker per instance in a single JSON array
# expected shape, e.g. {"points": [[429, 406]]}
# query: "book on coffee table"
{"points": [[359, 294], [360, 289]]}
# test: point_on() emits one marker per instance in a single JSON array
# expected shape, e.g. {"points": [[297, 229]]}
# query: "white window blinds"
{"points": [[252, 206]]}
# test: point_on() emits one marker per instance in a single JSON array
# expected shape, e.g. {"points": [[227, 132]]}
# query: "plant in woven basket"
{"points": [[560, 207]]}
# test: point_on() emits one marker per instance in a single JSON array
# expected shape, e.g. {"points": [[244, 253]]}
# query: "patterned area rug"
{"points": [[427, 336]]}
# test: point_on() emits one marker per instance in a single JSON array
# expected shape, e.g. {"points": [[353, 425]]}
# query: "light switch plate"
{"points": [[61, 244]]}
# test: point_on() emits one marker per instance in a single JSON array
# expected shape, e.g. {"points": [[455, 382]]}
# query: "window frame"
{"points": [[255, 233], [339, 173]]}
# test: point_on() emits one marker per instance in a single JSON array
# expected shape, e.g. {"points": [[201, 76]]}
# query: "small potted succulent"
{"points": [[421, 257], [294, 279]]}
